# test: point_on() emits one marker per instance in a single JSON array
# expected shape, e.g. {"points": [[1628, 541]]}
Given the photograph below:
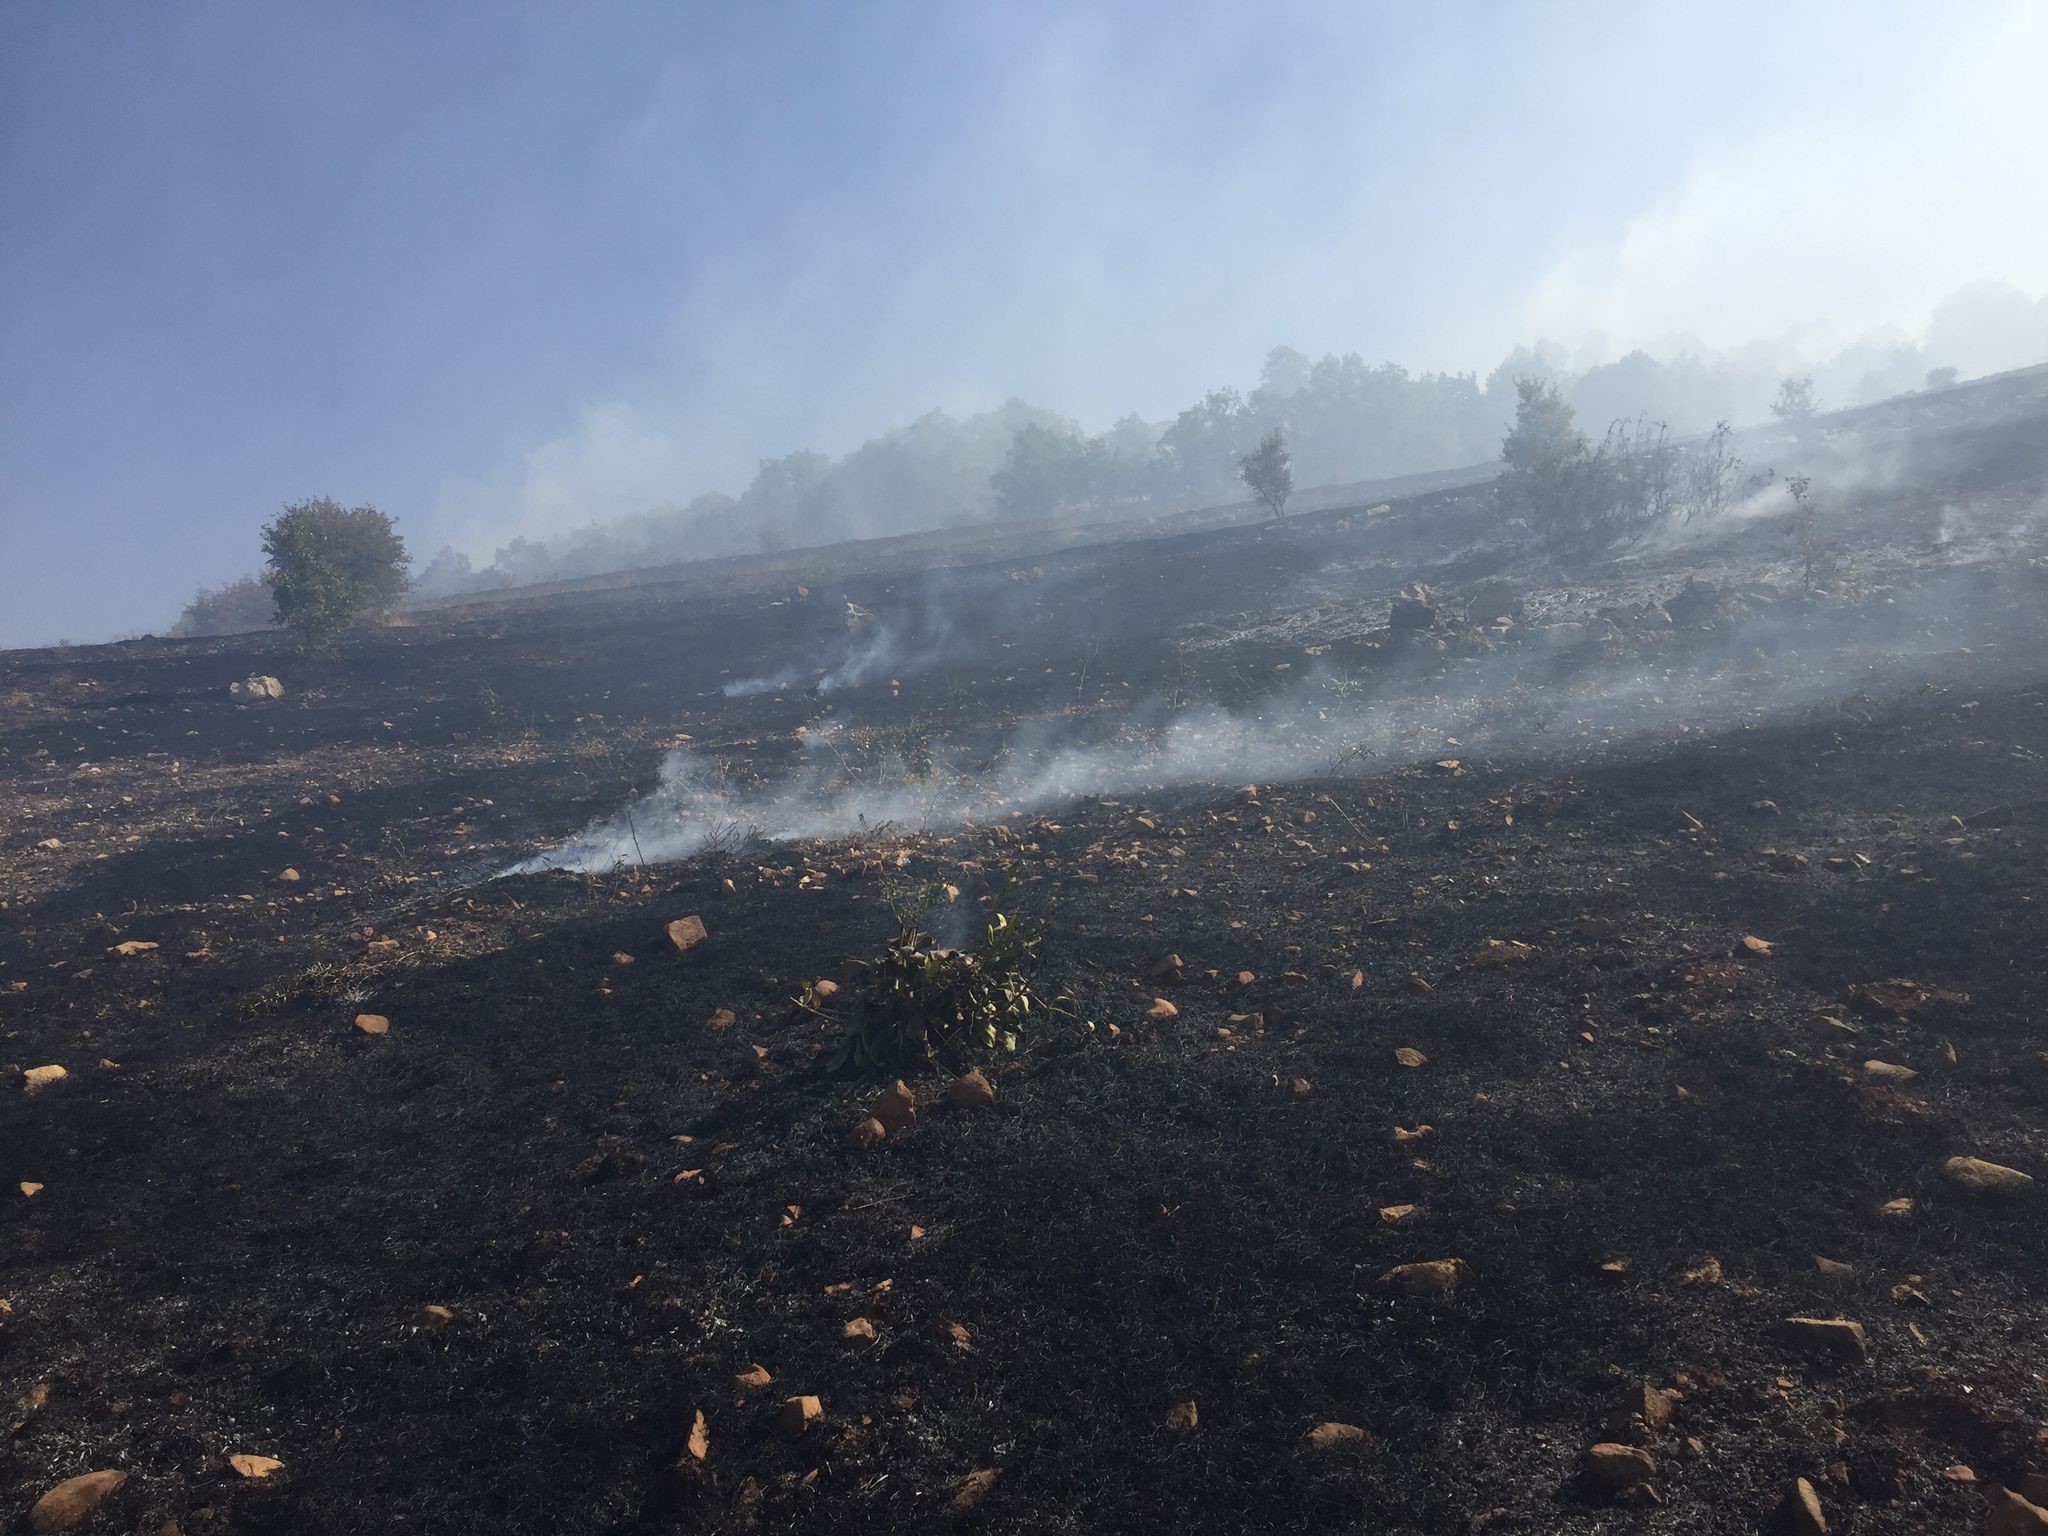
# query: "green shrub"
{"points": [[331, 565]]}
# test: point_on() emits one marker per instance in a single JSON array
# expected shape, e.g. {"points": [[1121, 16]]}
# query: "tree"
{"points": [[1266, 470], [1795, 405], [235, 608], [331, 565], [1046, 470]]}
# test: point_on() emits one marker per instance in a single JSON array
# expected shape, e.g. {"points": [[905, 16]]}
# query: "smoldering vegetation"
{"points": [[1817, 592]]}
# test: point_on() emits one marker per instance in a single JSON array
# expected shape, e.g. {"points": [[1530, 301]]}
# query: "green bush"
{"points": [[331, 565]]}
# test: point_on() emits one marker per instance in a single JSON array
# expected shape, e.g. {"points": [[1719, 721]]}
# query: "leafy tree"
{"points": [[1046, 470], [1266, 470], [331, 565], [235, 608], [1795, 405]]}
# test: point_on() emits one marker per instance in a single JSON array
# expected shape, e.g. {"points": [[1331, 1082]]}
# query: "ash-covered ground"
{"points": [[1635, 943]]}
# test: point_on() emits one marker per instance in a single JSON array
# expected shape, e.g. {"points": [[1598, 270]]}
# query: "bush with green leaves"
{"points": [[234, 608], [332, 565], [922, 1001], [1269, 473]]}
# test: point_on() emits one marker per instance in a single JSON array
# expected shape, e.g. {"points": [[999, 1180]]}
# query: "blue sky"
{"points": [[502, 269]]}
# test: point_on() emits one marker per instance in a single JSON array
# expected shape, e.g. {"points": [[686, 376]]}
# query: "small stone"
{"points": [[1889, 1072], [1752, 945], [896, 1108], [799, 1414], [1706, 1272], [1642, 1412], [2012, 1515], [289, 876], [1834, 1269], [970, 1090], [1161, 1010], [1834, 1336], [1300, 1087], [1434, 1279], [1612, 1466], [974, 1487], [36, 1079], [71, 1503], [1799, 1512], [127, 949], [1394, 1214], [432, 1316], [29, 1189], [255, 1468], [686, 932], [858, 1330], [1896, 1210], [722, 1018], [1183, 1416], [753, 1378], [824, 990], [866, 1134], [373, 1024], [1408, 1056], [1980, 1177], [698, 1446], [1329, 1436]]}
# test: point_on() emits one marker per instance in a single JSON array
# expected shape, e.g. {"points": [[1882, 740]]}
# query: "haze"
{"points": [[509, 270]]}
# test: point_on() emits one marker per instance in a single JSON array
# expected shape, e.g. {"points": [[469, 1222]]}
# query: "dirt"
{"points": [[1530, 858]]}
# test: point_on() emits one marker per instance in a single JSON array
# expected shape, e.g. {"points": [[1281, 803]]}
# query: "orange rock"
{"points": [[686, 932], [974, 1487], [1408, 1056], [71, 1503], [1329, 1436], [1434, 1278], [373, 1024], [698, 1446], [896, 1108], [753, 1379], [255, 1467], [971, 1089], [1183, 1416], [799, 1414], [866, 1134]]}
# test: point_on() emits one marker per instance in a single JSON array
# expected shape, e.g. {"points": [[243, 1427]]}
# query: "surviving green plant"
{"points": [[922, 1001], [331, 565]]}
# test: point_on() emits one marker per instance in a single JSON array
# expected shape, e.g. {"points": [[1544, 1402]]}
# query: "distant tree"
{"points": [[1941, 378], [1269, 474], [331, 565], [1545, 433], [1045, 471], [1795, 405], [1285, 373], [446, 575], [233, 609]]}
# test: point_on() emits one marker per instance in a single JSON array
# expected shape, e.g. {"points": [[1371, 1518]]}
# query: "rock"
{"points": [[36, 1079], [256, 689], [373, 1024], [1799, 1512], [799, 1414], [432, 1316], [858, 617], [1890, 1072], [1611, 1466], [1502, 952], [721, 1018], [1837, 1337], [1408, 1056], [1834, 1269], [29, 1189], [1161, 1010], [129, 948], [1183, 1416], [1434, 1279], [866, 1134], [754, 1378], [1414, 608], [686, 932], [71, 1503], [1300, 1087], [974, 1487], [289, 876], [1980, 1177], [255, 1468], [2010, 1514], [858, 1330], [1329, 1436], [1752, 945], [896, 1108], [970, 1090], [698, 1445], [1394, 1214], [1642, 1412]]}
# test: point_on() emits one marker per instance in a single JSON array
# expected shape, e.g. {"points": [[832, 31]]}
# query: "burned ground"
{"points": [[1530, 852]]}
